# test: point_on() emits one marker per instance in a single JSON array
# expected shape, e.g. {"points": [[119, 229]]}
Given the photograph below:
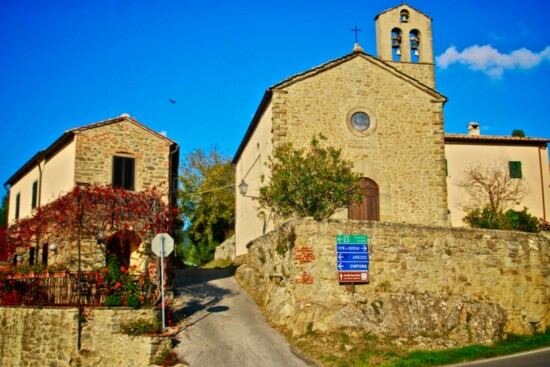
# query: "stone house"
{"points": [[386, 116], [120, 152]]}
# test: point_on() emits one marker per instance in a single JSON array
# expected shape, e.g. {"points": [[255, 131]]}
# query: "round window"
{"points": [[360, 121]]}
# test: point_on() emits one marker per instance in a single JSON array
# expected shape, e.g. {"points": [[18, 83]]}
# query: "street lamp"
{"points": [[243, 188]]}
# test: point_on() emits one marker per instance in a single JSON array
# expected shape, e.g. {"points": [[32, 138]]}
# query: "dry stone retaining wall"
{"points": [[48, 337], [460, 286]]}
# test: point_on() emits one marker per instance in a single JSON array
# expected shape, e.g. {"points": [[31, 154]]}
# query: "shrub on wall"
{"points": [[309, 183], [510, 220]]}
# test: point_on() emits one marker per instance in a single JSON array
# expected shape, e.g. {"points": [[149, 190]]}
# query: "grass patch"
{"points": [[514, 344], [367, 350]]}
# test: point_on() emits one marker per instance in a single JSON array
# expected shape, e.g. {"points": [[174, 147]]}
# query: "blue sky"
{"points": [[66, 64]]}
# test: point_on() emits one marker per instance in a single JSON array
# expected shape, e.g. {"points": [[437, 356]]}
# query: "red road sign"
{"points": [[353, 276]]}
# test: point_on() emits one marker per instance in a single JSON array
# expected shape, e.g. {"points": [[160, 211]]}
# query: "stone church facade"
{"points": [[383, 113]]}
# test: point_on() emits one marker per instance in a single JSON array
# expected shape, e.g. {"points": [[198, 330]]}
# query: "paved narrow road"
{"points": [[224, 326], [535, 358]]}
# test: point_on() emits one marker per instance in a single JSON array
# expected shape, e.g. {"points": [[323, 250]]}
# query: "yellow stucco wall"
{"points": [[57, 177], [251, 167], [462, 156]]}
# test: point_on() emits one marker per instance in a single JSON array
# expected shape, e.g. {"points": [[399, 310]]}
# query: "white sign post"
{"points": [[162, 245]]}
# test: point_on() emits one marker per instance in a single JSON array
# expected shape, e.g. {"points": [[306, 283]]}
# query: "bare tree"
{"points": [[492, 187]]}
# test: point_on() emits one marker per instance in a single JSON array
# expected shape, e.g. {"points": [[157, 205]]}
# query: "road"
{"points": [[537, 358], [224, 326]]}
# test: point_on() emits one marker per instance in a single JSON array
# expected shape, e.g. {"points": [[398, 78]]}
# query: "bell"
{"points": [[395, 43]]}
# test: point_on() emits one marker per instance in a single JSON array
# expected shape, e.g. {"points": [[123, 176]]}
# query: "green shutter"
{"points": [[515, 169]]}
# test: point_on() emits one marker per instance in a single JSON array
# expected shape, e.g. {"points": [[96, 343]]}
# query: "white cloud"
{"points": [[163, 133], [490, 61]]}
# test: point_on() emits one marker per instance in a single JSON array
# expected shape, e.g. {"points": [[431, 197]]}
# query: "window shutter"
{"points": [[118, 164], [515, 169], [129, 173], [34, 194]]}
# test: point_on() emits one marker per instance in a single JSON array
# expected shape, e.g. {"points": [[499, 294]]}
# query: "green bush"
{"points": [[141, 327], [309, 183], [511, 220], [522, 221]]}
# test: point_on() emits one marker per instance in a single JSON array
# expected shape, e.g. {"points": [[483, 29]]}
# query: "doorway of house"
{"points": [[368, 208], [119, 246]]}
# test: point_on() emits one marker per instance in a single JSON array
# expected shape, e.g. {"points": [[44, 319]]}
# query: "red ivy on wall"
{"points": [[88, 210]]}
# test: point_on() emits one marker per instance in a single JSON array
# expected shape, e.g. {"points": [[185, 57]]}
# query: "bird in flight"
{"points": [[171, 100]]}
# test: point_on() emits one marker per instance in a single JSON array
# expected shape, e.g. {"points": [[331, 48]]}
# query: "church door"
{"points": [[368, 208]]}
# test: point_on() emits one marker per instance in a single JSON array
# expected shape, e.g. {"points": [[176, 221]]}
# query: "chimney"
{"points": [[473, 128]]}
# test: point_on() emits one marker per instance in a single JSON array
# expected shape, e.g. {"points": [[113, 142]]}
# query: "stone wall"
{"points": [[459, 286], [48, 337], [96, 147]]}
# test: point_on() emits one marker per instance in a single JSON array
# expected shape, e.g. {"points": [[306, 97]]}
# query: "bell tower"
{"points": [[404, 39]]}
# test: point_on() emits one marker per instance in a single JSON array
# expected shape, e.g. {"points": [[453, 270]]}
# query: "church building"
{"points": [[383, 112]]}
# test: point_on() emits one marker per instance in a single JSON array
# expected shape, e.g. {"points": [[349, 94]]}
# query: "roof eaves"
{"points": [[494, 139], [333, 63], [121, 119], [400, 5]]}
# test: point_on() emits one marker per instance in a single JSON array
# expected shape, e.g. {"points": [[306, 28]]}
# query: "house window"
{"points": [[515, 169], [34, 194], [17, 203], [123, 172]]}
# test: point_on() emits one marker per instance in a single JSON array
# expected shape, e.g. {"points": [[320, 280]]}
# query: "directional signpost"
{"points": [[352, 258], [162, 245]]}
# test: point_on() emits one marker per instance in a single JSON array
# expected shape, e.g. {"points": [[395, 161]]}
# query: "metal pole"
{"points": [[79, 341], [162, 278]]}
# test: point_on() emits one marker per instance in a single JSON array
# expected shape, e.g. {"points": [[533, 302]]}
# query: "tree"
{"points": [[490, 192], [519, 133], [309, 183], [4, 211], [207, 200]]}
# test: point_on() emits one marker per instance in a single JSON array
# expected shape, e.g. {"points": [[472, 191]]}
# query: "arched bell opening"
{"points": [[396, 44], [414, 39]]}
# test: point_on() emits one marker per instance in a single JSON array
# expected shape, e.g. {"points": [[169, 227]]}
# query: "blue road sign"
{"points": [[358, 257], [352, 266], [352, 252], [340, 248]]}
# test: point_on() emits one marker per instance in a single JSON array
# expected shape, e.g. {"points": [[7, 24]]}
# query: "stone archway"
{"points": [[369, 207]]}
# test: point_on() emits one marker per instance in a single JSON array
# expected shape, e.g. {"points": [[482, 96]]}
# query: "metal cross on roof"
{"points": [[356, 30]]}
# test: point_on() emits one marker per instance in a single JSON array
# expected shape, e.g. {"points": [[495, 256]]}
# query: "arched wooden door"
{"points": [[369, 207]]}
